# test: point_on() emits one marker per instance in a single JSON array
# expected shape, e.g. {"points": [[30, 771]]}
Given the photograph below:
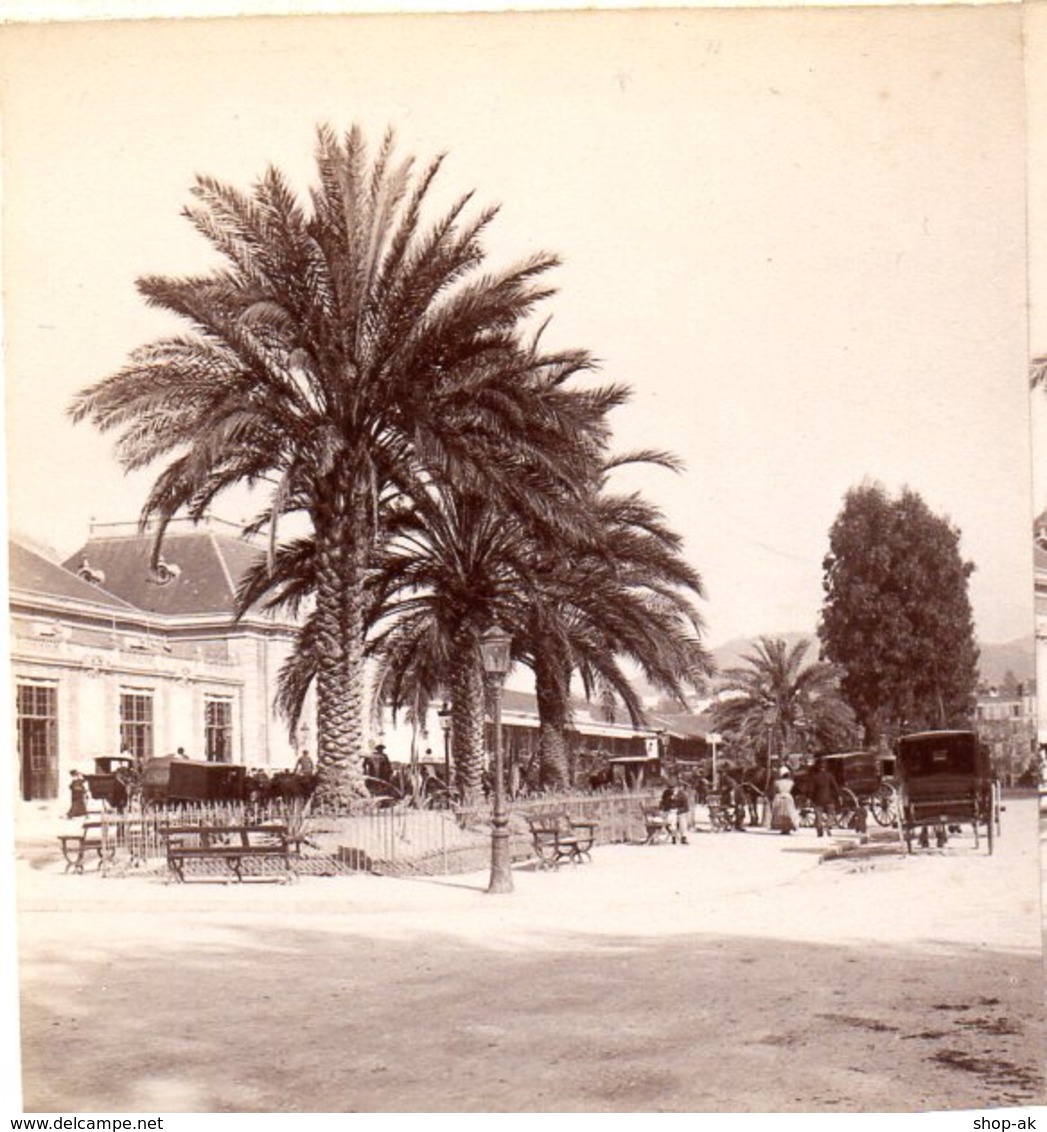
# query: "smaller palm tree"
{"points": [[622, 601], [776, 703]]}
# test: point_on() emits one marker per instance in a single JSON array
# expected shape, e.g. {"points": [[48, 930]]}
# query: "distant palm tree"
{"points": [[776, 703], [342, 352]]}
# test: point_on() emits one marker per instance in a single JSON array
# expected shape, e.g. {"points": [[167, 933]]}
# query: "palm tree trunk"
{"points": [[341, 559], [467, 729], [552, 689]]}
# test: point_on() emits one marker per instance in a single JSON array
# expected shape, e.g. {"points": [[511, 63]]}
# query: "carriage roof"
{"points": [[955, 752]]}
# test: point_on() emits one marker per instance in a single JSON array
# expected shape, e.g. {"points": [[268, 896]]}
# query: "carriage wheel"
{"points": [[848, 811], [884, 805]]}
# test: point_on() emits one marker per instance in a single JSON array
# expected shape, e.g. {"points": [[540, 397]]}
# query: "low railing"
{"points": [[395, 840]]}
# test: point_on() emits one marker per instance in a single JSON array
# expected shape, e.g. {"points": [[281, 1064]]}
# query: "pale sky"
{"points": [[800, 237], [1036, 94]]}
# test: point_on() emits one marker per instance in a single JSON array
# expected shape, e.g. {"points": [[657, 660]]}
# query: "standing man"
{"points": [[674, 806], [825, 796]]}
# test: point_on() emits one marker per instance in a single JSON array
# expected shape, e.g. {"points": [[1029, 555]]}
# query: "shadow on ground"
{"points": [[264, 1020]]}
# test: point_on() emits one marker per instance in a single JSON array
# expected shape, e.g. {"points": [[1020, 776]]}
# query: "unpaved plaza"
{"points": [[737, 973]]}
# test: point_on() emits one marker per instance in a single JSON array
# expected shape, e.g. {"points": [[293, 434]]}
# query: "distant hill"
{"points": [[732, 654], [1018, 656]]}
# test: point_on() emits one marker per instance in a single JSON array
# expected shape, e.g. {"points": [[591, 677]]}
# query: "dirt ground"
{"points": [[735, 974]]}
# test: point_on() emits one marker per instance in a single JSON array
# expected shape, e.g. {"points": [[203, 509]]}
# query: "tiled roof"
{"points": [[31, 572], [206, 564]]}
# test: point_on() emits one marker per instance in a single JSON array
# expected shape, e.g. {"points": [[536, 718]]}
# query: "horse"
{"points": [[292, 788]]}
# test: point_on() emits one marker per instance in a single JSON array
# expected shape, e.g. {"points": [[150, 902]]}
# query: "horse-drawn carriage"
{"points": [[946, 781], [173, 780], [865, 784], [112, 781]]}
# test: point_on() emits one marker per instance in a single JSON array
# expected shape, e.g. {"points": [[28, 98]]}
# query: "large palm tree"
{"points": [[341, 351], [777, 703]]}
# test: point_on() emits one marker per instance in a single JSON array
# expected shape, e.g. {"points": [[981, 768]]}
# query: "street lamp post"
{"points": [[496, 645], [800, 723], [444, 715], [714, 740]]}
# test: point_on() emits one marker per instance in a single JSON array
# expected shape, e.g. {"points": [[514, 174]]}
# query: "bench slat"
{"points": [[230, 844]]}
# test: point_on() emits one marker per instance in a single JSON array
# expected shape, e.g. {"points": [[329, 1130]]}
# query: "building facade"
{"points": [[111, 653], [1006, 722]]}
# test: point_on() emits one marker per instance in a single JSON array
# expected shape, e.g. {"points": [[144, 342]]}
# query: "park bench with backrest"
{"points": [[229, 845], [558, 837], [94, 837]]}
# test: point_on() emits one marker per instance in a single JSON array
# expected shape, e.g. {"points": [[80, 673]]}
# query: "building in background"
{"points": [[599, 751], [111, 654], [1005, 719]]}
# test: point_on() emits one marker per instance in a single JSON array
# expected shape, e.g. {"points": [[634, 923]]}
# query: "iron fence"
{"points": [[394, 840]]}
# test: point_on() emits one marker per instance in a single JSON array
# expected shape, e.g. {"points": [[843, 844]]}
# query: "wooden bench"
{"points": [[231, 845], [95, 837], [557, 837]]}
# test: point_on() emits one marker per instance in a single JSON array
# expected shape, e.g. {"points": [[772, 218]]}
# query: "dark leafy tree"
{"points": [[342, 350], [897, 618]]}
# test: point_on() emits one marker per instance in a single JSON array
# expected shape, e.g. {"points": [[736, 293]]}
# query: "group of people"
{"points": [[822, 793], [821, 790]]}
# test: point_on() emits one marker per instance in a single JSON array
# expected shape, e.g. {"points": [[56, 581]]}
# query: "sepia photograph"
{"points": [[526, 560]]}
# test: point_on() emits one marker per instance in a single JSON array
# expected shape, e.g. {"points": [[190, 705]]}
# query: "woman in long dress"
{"points": [[77, 795], [784, 815]]}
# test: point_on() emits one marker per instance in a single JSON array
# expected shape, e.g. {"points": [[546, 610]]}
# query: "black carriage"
{"points": [[169, 779], [111, 780], [865, 784], [946, 781]]}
